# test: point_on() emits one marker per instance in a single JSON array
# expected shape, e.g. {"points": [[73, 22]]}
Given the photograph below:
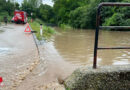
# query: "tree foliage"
{"points": [[46, 13], [76, 13], [7, 7], [82, 13], [30, 6]]}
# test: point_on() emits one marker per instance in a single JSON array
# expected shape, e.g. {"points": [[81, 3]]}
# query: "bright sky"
{"points": [[49, 2]]}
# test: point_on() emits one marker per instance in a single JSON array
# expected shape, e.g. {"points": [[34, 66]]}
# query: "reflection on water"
{"points": [[4, 50], [77, 46]]}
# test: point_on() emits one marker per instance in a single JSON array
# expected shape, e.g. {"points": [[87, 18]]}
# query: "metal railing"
{"points": [[103, 27]]}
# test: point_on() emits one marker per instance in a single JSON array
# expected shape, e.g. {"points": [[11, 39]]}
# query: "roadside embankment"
{"points": [[47, 31], [103, 78]]}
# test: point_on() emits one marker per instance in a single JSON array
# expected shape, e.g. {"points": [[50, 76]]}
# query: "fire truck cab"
{"points": [[20, 17]]}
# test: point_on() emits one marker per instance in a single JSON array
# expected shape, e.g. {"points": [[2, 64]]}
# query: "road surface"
{"points": [[18, 55]]}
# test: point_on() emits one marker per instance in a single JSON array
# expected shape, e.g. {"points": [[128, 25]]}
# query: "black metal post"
{"points": [[96, 38]]}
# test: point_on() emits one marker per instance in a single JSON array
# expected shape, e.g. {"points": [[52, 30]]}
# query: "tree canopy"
{"points": [[76, 13], [82, 13]]}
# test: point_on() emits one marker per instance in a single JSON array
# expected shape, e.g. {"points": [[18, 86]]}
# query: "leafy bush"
{"points": [[126, 22], [83, 17], [115, 19]]}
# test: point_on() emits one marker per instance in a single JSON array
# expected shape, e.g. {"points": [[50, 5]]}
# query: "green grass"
{"points": [[47, 31]]}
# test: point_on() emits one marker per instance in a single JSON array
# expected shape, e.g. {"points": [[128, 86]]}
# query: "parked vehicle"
{"points": [[19, 17]]}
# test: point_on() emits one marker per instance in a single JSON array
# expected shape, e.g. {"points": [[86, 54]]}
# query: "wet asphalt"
{"points": [[18, 55]]}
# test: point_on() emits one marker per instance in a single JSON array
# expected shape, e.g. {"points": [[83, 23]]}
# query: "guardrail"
{"points": [[103, 27]]}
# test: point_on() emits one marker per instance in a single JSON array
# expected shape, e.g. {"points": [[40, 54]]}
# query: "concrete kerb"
{"points": [[103, 78], [35, 40]]}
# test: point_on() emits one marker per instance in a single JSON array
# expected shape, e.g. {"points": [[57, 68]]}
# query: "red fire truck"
{"points": [[19, 17]]}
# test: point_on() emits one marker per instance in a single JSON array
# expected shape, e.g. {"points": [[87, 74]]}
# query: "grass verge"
{"points": [[47, 31]]}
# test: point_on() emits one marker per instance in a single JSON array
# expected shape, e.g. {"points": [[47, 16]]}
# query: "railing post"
{"points": [[98, 27], [96, 37]]}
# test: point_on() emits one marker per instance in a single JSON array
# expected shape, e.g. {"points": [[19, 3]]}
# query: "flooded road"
{"points": [[70, 50], [17, 53], [67, 51], [76, 47]]}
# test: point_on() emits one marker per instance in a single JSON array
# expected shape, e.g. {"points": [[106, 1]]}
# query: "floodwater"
{"points": [[69, 50], [59, 57], [76, 47], [17, 52]]}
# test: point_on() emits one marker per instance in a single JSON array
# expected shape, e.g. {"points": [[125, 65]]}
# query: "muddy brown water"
{"points": [[71, 49], [76, 47], [67, 51]]}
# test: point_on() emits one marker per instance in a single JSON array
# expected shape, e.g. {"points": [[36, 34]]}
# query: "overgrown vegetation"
{"points": [[7, 9], [47, 31], [72, 13], [82, 13]]}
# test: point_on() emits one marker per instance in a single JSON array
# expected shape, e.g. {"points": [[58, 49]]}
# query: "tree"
{"points": [[9, 7], [46, 13], [82, 13], [17, 6], [30, 6], [62, 8]]}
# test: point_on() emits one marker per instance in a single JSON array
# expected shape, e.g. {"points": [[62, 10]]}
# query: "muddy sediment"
{"points": [[22, 76]]}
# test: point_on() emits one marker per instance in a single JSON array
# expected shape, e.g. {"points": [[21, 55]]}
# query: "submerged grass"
{"points": [[47, 31], [65, 27]]}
